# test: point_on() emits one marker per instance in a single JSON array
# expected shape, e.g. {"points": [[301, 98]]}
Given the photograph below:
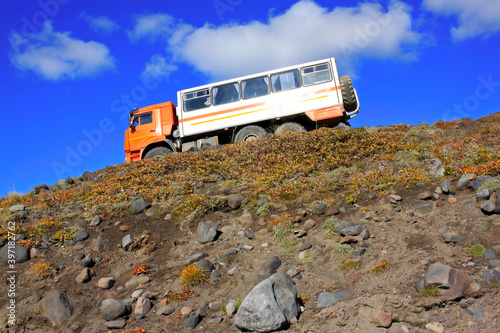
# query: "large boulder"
{"points": [[234, 201], [139, 204], [270, 305], [436, 169], [21, 254], [451, 282], [207, 231], [112, 309], [56, 306]]}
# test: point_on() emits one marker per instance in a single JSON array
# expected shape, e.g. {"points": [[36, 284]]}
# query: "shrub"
{"points": [[140, 269], [309, 257], [341, 252], [41, 268], [192, 275], [430, 290], [384, 265], [475, 250], [349, 265]]}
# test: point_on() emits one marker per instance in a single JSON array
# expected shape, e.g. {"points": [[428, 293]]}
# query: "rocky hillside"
{"points": [[381, 229]]}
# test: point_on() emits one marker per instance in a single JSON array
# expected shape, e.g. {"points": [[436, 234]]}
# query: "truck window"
{"points": [[142, 119], [316, 74], [226, 93], [285, 81], [196, 100], [255, 87]]}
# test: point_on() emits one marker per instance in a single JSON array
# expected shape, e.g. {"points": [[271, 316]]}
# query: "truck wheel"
{"points": [[348, 93], [289, 127], [250, 133], [157, 152]]}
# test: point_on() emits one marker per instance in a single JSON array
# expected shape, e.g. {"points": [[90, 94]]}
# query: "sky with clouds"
{"points": [[73, 69]]}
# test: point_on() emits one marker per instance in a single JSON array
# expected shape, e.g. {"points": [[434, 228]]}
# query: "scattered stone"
{"points": [[365, 234], [358, 252], [491, 275], [269, 306], [80, 235], [305, 246], [166, 310], [246, 218], [435, 327], [184, 225], [126, 241], [84, 276], [452, 200], [196, 257], [106, 283], [452, 238], [116, 324], [352, 231], [348, 240], [151, 210], [185, 310], [207, 231], [309, 224], [87, 262], [63, 184], [342, 224], [142, 306], [454, 281], [332, 211], [206, 266], [445, 186], [436, 169], [112, 309], [227, 229], [488, 207], [319, 209], [137, 293], [215, 321], [249, 234], [40, 188], [96, 221], [394, 198], [139, 204], [17, 208], [490, 254], [376, 316], [56, 306], [497, 203], [477, 313], [483, 194], [143, 280], [215, 276], [19, 252], [423, 208], [426, 195], [195, 318], [463, 182], [271, 266], [232, 271], [234, 201], [231, 308], [327, 298]]}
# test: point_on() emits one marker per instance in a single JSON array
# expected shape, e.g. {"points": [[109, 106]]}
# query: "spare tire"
{"points": [[348, 95]]}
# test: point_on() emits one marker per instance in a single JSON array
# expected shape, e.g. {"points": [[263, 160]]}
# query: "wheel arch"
{"points": [[167, 143]]}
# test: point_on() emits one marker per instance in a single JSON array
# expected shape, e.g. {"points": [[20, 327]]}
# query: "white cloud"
{"points": [[101, 24], [57, 56], [151, 27], [305, 32], [158, 66], [475, 18]]}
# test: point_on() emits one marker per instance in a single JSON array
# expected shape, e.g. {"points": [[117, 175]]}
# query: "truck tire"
{"points": [[289, 127], [348, 95], [250, 133], [157, 152]]}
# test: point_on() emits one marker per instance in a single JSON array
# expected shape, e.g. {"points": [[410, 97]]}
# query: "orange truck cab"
{"points": [[149, 130]]}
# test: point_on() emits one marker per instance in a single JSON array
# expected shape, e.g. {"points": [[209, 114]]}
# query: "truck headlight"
{"points": [[176, 134]]}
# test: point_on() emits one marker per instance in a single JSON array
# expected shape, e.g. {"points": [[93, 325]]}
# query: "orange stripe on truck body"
{"points": [[216, 113]]}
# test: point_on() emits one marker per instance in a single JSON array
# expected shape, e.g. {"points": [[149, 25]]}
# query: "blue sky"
{"points": [[72, 69]]}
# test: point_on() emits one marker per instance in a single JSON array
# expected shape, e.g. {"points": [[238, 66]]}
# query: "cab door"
{"points": [[143, 128]]}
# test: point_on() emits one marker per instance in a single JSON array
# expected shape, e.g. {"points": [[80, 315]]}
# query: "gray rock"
{"points": [[87, 262], [342, 224], [95, 221], [63, 184], [126, 241], [112, 309], [327, 298], [231, 308], [445, 186], [152, 210], [196, 257], [483, 194], [319, 209], [454, 281], [206, 266], [195, 318], [305, 246], [358, 252], [84, 276], [249, 234], [269, 306], [490, 254], [352, 231], [488, 207], [232, 252], [40, 188], [452, 238], [17, 208], [475, 184], [139, 204], [234, 201], [463, 182], [80, 235], [491, 275], [477, 313], [207, 231], [215, 276], [142, 306], [494, 262], [246, 218], [227, 229], [106, 282], [56, 306], [423, 207], [365, 234], [166, 310], [436, 169], [394, 198], [21, 254], [271, 266], [116, 324]]}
